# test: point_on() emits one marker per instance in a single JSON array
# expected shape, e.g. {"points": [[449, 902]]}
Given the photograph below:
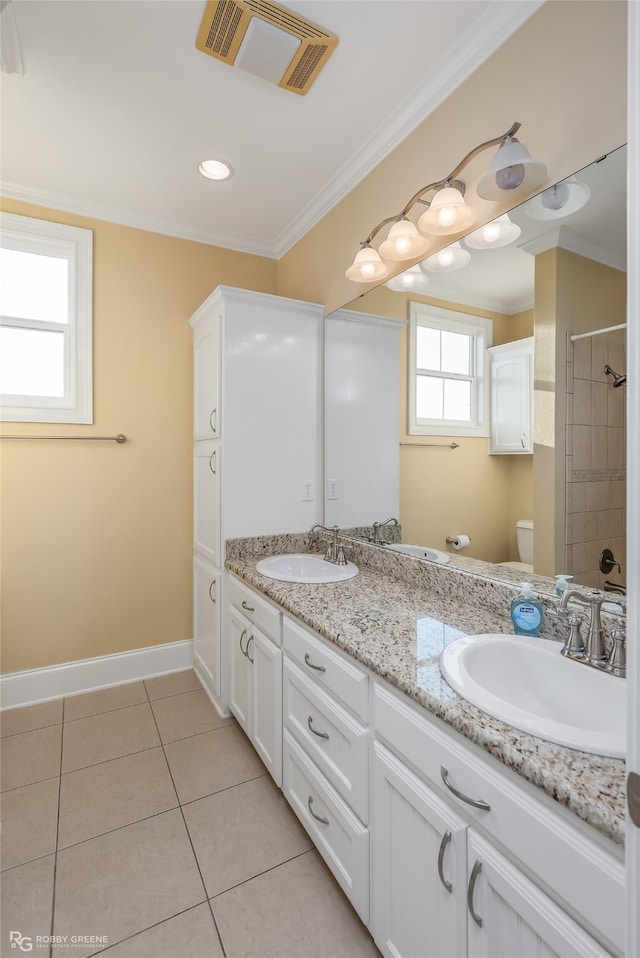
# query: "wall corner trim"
{"points": [[33, 686]]}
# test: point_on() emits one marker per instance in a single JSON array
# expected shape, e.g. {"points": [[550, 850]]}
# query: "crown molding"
{"points": [[490, 304], [565, 238], [497, 25], [96, 209]]}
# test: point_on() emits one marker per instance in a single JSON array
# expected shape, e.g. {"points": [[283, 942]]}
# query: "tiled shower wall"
{"points": [[596, 459]]}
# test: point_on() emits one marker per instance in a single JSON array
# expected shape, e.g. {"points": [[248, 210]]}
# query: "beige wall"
{"points": [[96, 537]]}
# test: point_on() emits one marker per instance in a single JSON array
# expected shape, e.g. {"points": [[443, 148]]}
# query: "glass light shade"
{"points": [[448, 214], [447, 259], [499, 232], [413, 279], [367, 266], [563, 199], [513, 170], [403, 242]]}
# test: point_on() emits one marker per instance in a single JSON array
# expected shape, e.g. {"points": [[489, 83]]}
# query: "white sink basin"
{"points": [[421, 552], [526, 683], [305, 567]]}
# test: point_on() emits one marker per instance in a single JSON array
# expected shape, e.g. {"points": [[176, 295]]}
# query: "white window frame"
{"points": [[480, 328], [74, 244]]}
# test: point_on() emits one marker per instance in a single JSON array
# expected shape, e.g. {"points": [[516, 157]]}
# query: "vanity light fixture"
{"points": [[512, 168], [563, 199], [448, 214], [499, 232], [403, 242], [447, 259], [512, 173], [367, 266], [216, 169], [412, 279]]}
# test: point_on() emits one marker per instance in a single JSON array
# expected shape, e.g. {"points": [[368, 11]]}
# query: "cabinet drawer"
{"points": [[559, 852], [266, 616], [339, 836], [328, 669], [337, 744]]}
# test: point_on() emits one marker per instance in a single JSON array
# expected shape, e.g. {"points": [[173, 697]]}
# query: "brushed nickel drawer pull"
{"points": [[476, 802], [212, 459], [318, 818], [212, 588], [247, 608], [211, 422], [475, 871], [324, 735], [307, 661], [244, 651], [446, 838], [249, 641]]}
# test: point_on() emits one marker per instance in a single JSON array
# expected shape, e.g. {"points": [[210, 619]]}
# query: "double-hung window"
{"points": [[448, 365], [45, 321]]}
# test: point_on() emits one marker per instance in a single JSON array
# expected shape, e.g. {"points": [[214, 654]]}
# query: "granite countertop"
{"points": [[395, 617]]}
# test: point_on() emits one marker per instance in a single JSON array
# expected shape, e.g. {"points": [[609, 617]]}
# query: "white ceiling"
{"points": [[116, 108]]}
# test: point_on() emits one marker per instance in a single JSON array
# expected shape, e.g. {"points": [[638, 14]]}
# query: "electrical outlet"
{"points": [[308, 490], [332, 488]]}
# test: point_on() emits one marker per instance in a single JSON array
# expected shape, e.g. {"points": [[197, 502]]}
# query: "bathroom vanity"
{"points": [[450, 832]]}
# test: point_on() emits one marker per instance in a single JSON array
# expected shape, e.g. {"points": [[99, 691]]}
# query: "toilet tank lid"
{"points": [[524, 523]]}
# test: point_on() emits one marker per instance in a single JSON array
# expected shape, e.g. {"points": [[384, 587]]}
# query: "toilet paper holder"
{"points": [[459, 541]]}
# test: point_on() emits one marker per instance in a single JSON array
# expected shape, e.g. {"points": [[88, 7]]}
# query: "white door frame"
{"points": [[633, 469]]}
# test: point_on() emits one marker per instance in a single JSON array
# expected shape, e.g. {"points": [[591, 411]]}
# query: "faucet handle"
{"points": [[617, 663], [574, 646], [341, 558]]}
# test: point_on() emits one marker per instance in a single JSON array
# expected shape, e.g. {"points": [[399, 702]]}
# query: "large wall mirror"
{"points": [[562, 278]]}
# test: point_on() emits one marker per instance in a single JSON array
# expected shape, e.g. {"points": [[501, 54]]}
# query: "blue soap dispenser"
{"points": [[526, 612]]}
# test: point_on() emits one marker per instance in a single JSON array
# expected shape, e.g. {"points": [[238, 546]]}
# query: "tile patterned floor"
{"points": [[140, 817]]}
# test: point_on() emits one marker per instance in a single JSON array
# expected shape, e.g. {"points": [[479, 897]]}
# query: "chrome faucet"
{"points": [[376, 540], [335, 550], [592, 652]]}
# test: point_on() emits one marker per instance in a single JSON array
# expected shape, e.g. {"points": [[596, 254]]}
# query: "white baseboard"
{"points": [[88, 675]]}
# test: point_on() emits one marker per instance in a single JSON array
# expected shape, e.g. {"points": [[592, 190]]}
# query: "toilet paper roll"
{"points": [[460, 541]]}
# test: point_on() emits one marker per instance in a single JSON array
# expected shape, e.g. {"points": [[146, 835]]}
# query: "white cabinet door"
{"points": [[206, 501], [239, 632], [206, 624], [512, 398], [206, 379], [418, 873], [265, 659], [510, 917]]}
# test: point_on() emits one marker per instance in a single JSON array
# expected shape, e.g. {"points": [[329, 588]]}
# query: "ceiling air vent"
{"points": [[267, 40]]}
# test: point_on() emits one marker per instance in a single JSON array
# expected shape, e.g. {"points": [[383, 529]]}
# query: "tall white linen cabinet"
{"points": [[257, 443]]}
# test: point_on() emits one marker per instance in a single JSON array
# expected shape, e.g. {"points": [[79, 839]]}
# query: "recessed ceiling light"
{"points": [[215, 169]]}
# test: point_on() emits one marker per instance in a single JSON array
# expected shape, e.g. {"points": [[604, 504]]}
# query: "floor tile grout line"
{"points": [[39, 781], [118, 828], [227, 788], [25, 731], [55, 860], [266, 871], [105, 951], [195, 857]]}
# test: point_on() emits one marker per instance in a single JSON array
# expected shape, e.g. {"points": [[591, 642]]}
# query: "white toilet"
{"points": [[524, 537]]}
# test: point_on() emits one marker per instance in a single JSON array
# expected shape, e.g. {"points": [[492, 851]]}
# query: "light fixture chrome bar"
{"points": [[120, 438], [596, 332]]}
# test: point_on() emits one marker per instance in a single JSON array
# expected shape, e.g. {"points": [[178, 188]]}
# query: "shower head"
{"points": [[619, 379]]}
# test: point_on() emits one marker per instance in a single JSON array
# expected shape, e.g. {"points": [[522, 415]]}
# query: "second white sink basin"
{"points": [[420, 552], [305, 567], [526, 683]]}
